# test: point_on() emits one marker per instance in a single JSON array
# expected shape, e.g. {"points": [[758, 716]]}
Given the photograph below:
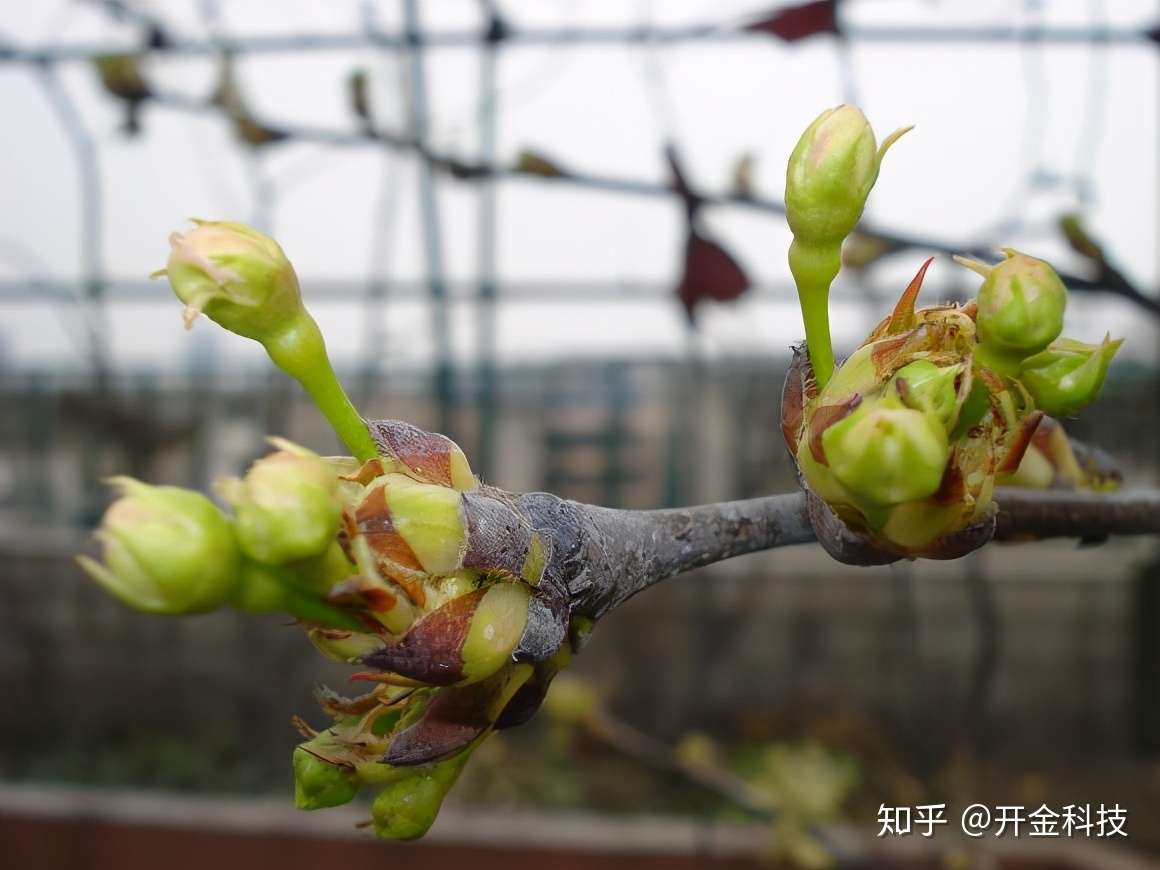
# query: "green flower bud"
{"points": [[166, 550], [887, 455], [830, 173], [241, 279], [407, 807], [237, 276], [929, 388], [286, 505], [1020, 309], [1068, 375], [828, 178], [319, 784]]}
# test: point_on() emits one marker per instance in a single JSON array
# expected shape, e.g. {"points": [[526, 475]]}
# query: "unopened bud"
{"points": [[830, 174], [319, 784], [237, 276], [286, 505], [1020, 308], [166, 550], [407, 807], [887, 455], [929, 388], [1068, 375], [828, 178], [241, 279]]}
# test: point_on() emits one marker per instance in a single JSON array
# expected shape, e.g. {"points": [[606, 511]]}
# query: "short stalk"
{"points": [[300, 351], [814, 268]]}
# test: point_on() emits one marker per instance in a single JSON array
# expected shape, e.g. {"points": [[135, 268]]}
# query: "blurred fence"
{"points": [[984, 653], [1029, 652]]}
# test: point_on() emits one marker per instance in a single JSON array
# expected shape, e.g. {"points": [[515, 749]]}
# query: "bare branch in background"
{"points": [[534, 165]]}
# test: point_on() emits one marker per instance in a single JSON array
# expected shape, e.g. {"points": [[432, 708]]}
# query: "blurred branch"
{"points": [[651, 752], [1027, 514], [577, 36], [535, 169], [694, 759]]}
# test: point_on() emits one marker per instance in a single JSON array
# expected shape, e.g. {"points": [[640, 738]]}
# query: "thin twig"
{"points": [[583, 36], [1115, 284]]}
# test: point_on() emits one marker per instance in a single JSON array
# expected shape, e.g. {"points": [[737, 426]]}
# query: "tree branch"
{"points": [[1032, 514], [608, 555]]}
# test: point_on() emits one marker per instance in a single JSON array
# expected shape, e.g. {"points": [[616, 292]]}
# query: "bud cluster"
{"points": [[395, 559], [908, 440], [403, 565]]}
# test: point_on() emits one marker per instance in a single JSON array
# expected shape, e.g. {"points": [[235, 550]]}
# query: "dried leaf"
{"points": [[798, 22], [710, 272]]}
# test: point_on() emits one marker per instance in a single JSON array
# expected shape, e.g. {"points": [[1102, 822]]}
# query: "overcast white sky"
{"points": [[988, 118]]}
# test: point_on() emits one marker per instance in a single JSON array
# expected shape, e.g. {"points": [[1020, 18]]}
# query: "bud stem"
{"points": [[271, 589], [814, 267], [300, 351]]}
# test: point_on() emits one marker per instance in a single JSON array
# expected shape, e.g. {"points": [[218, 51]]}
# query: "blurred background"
{"points": [[553, 230]]}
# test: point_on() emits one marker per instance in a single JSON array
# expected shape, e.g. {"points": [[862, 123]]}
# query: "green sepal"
{"points": [[1068, 375]]}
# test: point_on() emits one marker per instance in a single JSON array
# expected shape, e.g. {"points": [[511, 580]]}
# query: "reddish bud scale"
{"points": [[393, 555], [825, 417], [362, 592], [426, 456], [455, 718], [430, 651]]}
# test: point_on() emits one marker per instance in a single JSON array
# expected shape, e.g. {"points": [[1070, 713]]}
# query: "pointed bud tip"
{"points": [[165, 550], [976, 266], [891, 139], [237, 276]]}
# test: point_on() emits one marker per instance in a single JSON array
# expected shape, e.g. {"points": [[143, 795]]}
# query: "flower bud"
{"points": [[1020, 308], [1068, 375], [887, 455], [929, 388], [407, 807], [830, 174], [319, 784], [286, 505], [166, 550], [242, 280], [237, 276]]}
